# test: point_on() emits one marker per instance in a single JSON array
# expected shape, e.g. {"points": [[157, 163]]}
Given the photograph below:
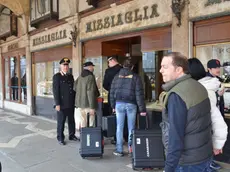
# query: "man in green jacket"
{"points": [[86, 94]]}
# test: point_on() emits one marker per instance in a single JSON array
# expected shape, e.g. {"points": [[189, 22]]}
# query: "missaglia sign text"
{"points": [[212, 2], [148, 12]]}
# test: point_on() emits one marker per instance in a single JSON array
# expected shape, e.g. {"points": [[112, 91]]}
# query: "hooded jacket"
{"points": [[219, 127], [127, 87]]}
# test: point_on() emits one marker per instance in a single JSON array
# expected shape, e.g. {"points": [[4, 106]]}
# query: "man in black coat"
{"points": [[114, 68], [64, 97]]}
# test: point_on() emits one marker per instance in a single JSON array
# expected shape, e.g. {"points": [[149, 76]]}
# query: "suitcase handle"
{"points": [[88, 116], [146, 121]]}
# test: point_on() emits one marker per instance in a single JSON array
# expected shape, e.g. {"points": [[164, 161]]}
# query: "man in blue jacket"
{"points": [[186, 119]]}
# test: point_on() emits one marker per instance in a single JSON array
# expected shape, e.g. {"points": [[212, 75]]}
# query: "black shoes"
{"points": [[61, 143], [74, 138]]}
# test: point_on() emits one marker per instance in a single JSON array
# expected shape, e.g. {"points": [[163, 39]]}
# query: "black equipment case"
{"points": [[92, 141], [109, 125], [147, 148]]}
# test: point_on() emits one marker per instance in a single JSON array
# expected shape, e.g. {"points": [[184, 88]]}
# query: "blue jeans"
{"points": [[203, 167], [123, 109]]}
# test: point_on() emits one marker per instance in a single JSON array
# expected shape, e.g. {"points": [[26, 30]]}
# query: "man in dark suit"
{"points": [[64, 97]]}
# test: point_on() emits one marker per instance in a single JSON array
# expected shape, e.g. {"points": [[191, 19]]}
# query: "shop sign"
{"points": [[12, 47], [50, 37], [149, 12], [212, 2]]}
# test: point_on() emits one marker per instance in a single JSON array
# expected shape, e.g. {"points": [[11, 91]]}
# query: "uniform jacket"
{"points": [[109, 75], [86, 91], [63, 90], [108, 78]]}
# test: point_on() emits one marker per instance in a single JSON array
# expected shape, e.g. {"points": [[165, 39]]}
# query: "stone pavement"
{"points": [[28, 144]]}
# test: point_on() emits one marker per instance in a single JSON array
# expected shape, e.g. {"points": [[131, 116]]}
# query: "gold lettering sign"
{"points": [[212, 2], [12, 47], [148, 12], [50, 38]]}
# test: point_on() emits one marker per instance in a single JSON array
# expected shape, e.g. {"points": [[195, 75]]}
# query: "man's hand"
{"points": [[92, 112], [114, 111], [57, 108], [221, 92], [217, 151], [143, 113]]}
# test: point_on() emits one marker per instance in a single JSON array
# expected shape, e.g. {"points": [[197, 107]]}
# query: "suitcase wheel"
{"points": [[101, 157], [133, 167]]}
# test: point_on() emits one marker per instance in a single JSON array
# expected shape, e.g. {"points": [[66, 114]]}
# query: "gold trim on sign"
{"points": [[212, 44]]}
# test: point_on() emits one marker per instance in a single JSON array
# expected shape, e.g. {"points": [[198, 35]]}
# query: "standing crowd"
{"points": [[193, 126]]}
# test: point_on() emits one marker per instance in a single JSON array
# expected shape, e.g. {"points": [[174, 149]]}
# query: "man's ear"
{"points": [[179, 70]]}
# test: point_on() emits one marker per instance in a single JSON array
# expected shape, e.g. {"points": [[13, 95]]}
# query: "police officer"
{"points": [[64, 97]]}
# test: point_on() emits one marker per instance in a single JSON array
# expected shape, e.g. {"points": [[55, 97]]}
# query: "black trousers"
{"points": [[15, 93], [61, 118]]}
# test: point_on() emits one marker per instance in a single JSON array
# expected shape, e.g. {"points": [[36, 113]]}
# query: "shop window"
{"points": [[222, 53], [44, 78], [15, 79], [152, 79]]}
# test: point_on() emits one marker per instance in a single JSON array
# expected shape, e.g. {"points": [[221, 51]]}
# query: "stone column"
{"points": [[29, 77], [191, 49], [76, 51], [76, 59], [1, 79], [180, 35]]}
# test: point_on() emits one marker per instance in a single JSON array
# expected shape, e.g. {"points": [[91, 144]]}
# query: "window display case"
{"points": [[44, 78], [222, 53]]}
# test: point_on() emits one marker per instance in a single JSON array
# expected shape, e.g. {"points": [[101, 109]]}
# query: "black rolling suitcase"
{"points": [[109, 125], [147, 148], [92, 142]]}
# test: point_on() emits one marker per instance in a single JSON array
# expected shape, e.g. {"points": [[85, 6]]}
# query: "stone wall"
{"points": [[67, 8], [134, 15], [83, 5], [200, 8], [5, 22]]}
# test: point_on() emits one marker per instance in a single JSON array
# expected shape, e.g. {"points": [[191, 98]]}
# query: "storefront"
{"points": [[14, 80], [48, 48], [211, 23], [141, 29]]}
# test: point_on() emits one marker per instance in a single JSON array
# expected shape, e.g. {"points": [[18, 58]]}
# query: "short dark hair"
{"points": [[113, 57], [179, 60], [128, 63], [196, 68]]}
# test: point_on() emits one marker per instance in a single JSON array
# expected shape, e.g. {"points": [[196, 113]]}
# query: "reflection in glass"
{"points": [[7, 81], [44, 77], [23, 78], [222, 53], [14, 79], [149, 67]]}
